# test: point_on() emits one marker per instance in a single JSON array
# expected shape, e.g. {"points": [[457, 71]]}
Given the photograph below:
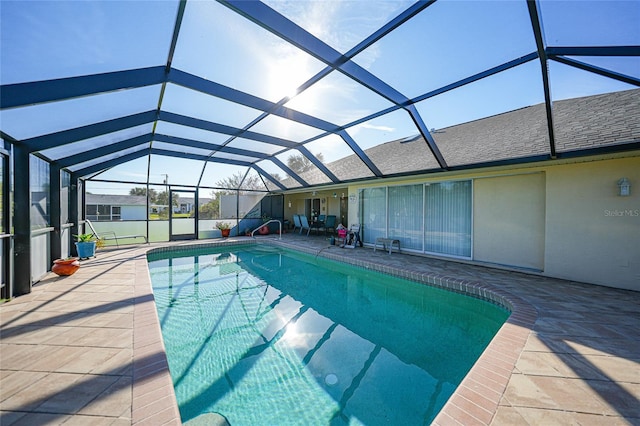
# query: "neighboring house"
{"points": [[107, 207], [186, 204]]}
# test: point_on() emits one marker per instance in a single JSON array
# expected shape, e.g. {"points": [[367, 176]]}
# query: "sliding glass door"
{"points": [[405, 215], [447, 218], [430, 218]]}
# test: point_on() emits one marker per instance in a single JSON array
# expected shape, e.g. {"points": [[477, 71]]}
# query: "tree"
{"points": [[163, 199], [153, 194], [210, 210], [300, 164], [235, 181]]}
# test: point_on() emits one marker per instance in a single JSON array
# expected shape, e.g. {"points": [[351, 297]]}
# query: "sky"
{"points": [[448, 41]]}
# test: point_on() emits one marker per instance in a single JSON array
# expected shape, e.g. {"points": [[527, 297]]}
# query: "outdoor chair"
{"points": [[304, 224], [330, 223], [296, 222], [111, 235], [318, 224]]}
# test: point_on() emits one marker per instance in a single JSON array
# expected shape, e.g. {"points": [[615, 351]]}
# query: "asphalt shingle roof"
{"points": [[579, 123], [116, 200]]}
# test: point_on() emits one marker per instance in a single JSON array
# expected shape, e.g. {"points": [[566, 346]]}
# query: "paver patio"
{"points": [[86, 349]]}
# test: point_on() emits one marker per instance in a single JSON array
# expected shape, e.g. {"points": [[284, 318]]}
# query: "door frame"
{"points": [[6, 238], [178, 237]]}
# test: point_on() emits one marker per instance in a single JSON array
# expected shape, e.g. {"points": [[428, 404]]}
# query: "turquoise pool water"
{"points": [[268, 337]]}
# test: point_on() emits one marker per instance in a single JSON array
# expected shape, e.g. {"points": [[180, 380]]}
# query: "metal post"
{"points": [[74, 214], [56, 220], [22, 221]]}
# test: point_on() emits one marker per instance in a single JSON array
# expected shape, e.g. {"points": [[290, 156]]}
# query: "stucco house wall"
{"points": [[592, 234], [509, 220], [563, 220]]}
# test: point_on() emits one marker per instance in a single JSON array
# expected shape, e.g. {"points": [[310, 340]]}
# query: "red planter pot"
{"points": [[64, 267], [225, 232], [264, 230]]}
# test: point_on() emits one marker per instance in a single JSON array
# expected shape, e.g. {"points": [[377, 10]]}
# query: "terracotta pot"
{"points": [[264, 230], [225, 232], [64, 267]]}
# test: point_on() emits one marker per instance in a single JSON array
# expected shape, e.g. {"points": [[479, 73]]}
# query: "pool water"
{"points": [[268, 337]]}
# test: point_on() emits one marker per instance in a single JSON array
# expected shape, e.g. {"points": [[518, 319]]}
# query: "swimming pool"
{"points": [[265, 336]]}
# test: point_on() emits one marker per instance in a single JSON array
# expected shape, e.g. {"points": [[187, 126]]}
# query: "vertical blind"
{"points": [[374, 213], [447, 220], [405, 215], [432, 218]]}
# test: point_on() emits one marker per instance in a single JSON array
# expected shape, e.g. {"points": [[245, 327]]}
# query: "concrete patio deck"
{"points": [[87, 349]]}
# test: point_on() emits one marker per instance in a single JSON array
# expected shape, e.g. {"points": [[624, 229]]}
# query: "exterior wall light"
{"points": [[289, 204], [624, 187]]}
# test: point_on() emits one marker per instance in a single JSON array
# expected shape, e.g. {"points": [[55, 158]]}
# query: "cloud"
{"points": [[381, 128]]}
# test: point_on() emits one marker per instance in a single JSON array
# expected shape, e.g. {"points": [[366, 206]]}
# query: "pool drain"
{"points": [[331, 379]]}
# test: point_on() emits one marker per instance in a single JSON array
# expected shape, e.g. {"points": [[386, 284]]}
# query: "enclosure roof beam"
{"points": [[37, 92], [199, 157], [110, 163], [103, 150], [64, 137], [209, 146], [209, 87], [289, 171], [596, 70], [262, 15], [593, 50], [269, 177], [224, 129]]}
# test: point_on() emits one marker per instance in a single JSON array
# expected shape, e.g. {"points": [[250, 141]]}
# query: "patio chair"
{"points": [[296, 222], [318, 224], [111, 235], [304, 224], [330, 223]]}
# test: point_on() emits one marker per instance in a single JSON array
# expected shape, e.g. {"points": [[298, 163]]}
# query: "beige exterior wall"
{"points": [[593, 235], [509, 220], [564, 219]]}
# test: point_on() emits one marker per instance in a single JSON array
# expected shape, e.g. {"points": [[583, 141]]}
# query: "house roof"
{"points": [[116, 200], [201, 201], [202, 91], [586, 123]]}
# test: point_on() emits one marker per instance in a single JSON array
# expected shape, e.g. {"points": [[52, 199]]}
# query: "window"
{"points": [[97, 212], [116, 213]]}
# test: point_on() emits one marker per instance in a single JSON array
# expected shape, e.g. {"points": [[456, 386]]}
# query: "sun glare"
{"points": [[287, 74]]}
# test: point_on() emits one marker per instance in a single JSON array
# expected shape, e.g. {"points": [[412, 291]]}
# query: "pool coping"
{"points": [[475, 400]]}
